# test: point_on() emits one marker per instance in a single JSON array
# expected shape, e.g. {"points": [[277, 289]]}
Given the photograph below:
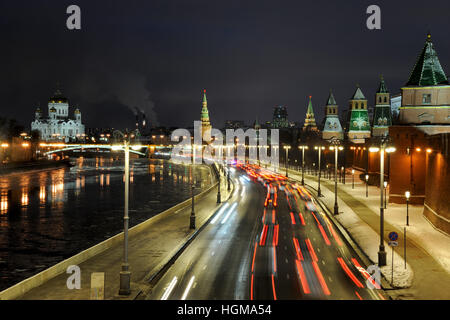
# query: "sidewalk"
{"points": [[427, 275], [149, 251]]}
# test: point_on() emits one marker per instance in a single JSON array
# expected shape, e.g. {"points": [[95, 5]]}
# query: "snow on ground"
{"points": [[420, 230]]}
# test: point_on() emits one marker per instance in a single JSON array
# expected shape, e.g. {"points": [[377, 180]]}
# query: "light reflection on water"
{"points": [[48, 216]]}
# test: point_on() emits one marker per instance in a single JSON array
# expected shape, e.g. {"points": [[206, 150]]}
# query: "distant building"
{"points": [[310, 121], [234, 124], [58, 125], [280, 117]]}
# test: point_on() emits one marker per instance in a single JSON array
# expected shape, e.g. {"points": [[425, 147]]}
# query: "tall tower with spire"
{"points": [[358, 125], [426, 95], [310, 121], [332, 127], [204, 117], [382, 118]]}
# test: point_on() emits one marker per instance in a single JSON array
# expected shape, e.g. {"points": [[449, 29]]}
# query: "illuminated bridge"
{"points": [[62, 147]]}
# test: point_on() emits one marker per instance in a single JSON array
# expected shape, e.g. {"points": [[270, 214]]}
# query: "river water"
{"points": [[48, 216]]}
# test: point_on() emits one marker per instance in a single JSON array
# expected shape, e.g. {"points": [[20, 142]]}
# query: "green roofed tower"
{"points": [[427, 70], [204, 117], [382, 118], [310, 121], [358, 118], [426, 95]]}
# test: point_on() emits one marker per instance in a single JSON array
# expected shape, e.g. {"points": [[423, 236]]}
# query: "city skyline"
{"points": [[348, 54]]}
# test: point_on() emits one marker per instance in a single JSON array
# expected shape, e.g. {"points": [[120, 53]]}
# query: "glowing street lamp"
{"points": [[384, 146], [407, 195], [335, 147]]}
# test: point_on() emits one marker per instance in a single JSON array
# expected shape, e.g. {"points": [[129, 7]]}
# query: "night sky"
{"points": [[249, 55]]}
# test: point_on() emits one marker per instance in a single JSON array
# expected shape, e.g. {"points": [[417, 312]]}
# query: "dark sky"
{"points": [[249, 55]]}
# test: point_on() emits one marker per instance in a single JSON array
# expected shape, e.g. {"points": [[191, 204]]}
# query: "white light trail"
{"points": [[229, 212], [186, 292], [243, 191], [169, 288], [219, 213]]}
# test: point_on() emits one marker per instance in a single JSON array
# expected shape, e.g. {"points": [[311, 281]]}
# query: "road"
{"points": [[269, 241]]}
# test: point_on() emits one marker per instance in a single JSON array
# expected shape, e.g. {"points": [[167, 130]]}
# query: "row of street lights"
{"points": [[125, 274], [384, 146]]}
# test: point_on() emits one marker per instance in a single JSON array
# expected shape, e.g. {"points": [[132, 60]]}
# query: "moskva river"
{"points": [[48, 216]]}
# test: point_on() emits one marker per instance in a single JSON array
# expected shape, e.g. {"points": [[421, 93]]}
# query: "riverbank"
{"points": [[38, 165], [48, 216], [152, 246]]}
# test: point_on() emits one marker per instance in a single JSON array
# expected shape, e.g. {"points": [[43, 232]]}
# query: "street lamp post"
{"points": [[287, 158], [303, 147], [407, 195], [192, 217], [228, 178], [353, 178], [125, 274], [385, 196], [320, 148], [336, 148], [367, 185], [218, 191], [384, 147]]}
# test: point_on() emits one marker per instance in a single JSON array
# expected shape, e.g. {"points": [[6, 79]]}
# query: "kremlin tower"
{"points": [[358, 123], [204, 117], [382, 118], [332, 127], [425, 97], [310, 121]]}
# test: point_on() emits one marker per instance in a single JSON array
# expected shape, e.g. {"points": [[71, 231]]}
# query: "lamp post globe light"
{"points": [[382, 146], [319, 148]]}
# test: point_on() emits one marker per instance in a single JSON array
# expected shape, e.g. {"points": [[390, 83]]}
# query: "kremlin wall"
{"points": [[420, 135]]}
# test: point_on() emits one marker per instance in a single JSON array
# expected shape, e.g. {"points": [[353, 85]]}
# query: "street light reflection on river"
{"points": [[68, 211]]}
